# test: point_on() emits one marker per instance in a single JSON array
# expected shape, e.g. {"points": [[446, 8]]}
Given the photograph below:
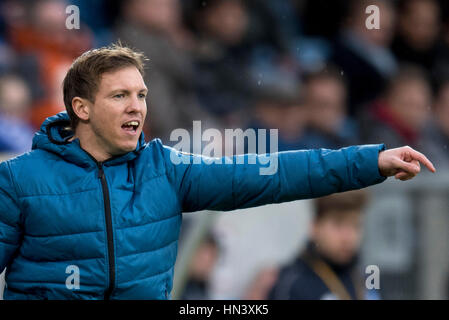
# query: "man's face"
{"points": [[227, 21], [117, 115], [420, 24], [326, 99], [161, 15], [387, 20], [411, 101], [338, 235]]}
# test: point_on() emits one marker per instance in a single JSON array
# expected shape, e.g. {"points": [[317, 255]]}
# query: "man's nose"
{"points": [[134, 105]]}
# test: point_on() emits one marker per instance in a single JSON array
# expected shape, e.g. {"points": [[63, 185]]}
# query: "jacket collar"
{"points": [[54, 136]]}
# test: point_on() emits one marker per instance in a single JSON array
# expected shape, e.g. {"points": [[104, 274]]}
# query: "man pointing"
{"points": [[93, 200]]}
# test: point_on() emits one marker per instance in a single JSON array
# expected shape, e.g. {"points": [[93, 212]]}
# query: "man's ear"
{"points": [[81, 107]]}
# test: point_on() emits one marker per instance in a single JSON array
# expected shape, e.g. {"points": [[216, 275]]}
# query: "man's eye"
{"points": [[142, 95], [120, 95]]}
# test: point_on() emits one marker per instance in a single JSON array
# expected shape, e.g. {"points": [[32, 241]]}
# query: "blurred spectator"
{"points": [[418, 27], [222, 78], [273, 23], [327, 268], [154, 27], [435, 140], [363, 54], [100, 16], [53, 102], [314, 118], [398, 118], [6, 56], [252, 239], [15, 132], [13, 15], [325, 99], [203, 262], [281, 108], [440, 66], [43, 34]]}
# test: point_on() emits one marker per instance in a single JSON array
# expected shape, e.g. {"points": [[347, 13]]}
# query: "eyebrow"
{"points": [[127, 91]]}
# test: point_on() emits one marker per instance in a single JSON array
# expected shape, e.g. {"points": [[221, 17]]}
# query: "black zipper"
{"points": [[109, 231], [108, 219]]}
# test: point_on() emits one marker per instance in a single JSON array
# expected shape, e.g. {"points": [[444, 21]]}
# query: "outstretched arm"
{"points": [[300, 174]]}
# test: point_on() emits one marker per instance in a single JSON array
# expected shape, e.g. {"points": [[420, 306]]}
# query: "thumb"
{"points": [[418, 165]]}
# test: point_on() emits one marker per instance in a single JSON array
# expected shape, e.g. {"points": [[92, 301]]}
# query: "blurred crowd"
{"points": [[327, 267], [310, 68]]}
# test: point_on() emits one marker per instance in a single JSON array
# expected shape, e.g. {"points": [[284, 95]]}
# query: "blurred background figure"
{"points": [[154, 27], [254, 241], [52, 102], [203, 262], [363, 54], [400, 116], [222, 57], [48, 48], [416, 40], [16, 132], [435, 137], [327, 268], [281, 107], [326, 102]]}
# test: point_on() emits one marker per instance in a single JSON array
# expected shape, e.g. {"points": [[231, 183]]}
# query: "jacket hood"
{"points": [[54, 136]]}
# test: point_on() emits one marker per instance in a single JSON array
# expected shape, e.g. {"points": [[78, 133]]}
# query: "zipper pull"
{"points": [[100, 171]]}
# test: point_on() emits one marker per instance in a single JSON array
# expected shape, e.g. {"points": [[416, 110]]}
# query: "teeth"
{"points": [[132, 123]]}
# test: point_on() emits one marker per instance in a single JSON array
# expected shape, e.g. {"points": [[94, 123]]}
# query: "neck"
{"points": [[334, 265], [89, 143]]}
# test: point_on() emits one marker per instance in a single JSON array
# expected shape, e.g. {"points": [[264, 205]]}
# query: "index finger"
{"points": [[423, 159]]}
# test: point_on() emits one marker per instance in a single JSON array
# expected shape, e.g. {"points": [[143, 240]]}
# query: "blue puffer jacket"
{"points": [[118, 222]]}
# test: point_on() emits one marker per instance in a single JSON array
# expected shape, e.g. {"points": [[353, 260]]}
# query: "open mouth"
{"points": [[131, 126]]}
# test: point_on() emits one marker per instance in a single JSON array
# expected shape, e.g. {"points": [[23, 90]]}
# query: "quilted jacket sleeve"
{"points": [[298, 175], [10, 230]]}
